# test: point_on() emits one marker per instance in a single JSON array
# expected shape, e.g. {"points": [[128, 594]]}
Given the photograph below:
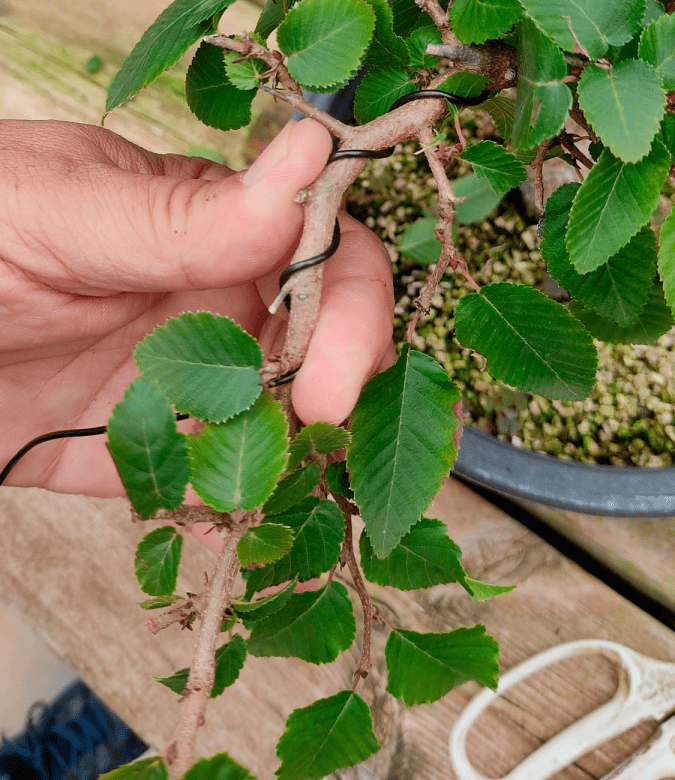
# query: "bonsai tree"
{"points": [[283, 496]]}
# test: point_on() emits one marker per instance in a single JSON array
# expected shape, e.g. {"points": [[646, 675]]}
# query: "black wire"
{"points": [[72, 433], [340, 154]]}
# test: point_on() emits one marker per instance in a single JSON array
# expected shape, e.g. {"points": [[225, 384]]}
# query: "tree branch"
{"points": [[202, 669]]}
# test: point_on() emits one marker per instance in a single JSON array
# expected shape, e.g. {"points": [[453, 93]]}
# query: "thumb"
{"points": [[135, 231]]}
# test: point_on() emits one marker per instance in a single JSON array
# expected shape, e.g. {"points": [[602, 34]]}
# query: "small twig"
{"points": [[380, 615], [576, 153], [202, 669], [440, 18], [538, 168], [182, 612], [187, 516]]}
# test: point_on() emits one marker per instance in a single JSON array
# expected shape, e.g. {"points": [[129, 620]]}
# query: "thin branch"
{"points": [[439, 17], [576, 153], [186, 516], [181, 612], [538, 168], [202, 669]]}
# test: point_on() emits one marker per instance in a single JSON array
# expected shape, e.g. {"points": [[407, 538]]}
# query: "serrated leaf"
{"points": [[667, 259], [492, 162], [378, 90], [418, 241], [422, 668], [162, 45], [406, 15], [424, 557], [264, 543], [157, 560], [417, 43], [667, 135], [152, 768], [237, 463], [479, 199], [465, 84], [616, 199], [244, 74], [624, 105], [474, 21], [330, 734], [502, 109], [318, 526], [337, 479], [402, 446], [316, 625], [250, 611], [321, 437], [617, 290], [657, 46], [292, 489], [325, 42], [218, 767], [386, 48], [272, 16], [229, 663], [596, 25], [148, 451], [158, 602], [655, 319], [482, 591], [205, 364], [529, 340], [211, 96], [542, 68]]}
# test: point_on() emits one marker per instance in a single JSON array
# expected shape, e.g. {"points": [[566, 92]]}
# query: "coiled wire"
{"points": [[292, 269]]}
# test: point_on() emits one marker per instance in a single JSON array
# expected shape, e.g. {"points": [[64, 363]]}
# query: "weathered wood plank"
{"points": [[68, 564]]}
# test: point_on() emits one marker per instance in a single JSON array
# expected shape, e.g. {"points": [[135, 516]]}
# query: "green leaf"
{"points": [[211, 96], [402, 446], [152, 768], [292, 489], [318, 526], [482, 591], [492, 162], [540, 74], [272, 16], [337, 479], [596, 25], [406, 15], [657, 46], [316, 625], [667, 259], [616, 199], [157, 561], [326, 41], [617, 290], [625, 105], [330, 734], [158, 602], [655, 320], [418, 241], [422, 668], [417, 43], [218, 767], [668, 133], [149, 453], [386, 48], [465, 85], [321, 437], [244, 74], [378, 90], [162, 45], [474, 21], [424, 557], [237, 463], [205, 364], [529, 340], [250, 611], [479, 199], [502, 109], [229, 663], [264, 543]]}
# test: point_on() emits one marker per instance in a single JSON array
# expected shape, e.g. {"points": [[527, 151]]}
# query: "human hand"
{"points": [[100, 241]]}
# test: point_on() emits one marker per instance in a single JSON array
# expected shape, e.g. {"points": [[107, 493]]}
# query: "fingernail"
{"points": [[272, 155]]}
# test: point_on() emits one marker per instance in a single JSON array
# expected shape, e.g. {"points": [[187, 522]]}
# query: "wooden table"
{"points": [[67, 561]]}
